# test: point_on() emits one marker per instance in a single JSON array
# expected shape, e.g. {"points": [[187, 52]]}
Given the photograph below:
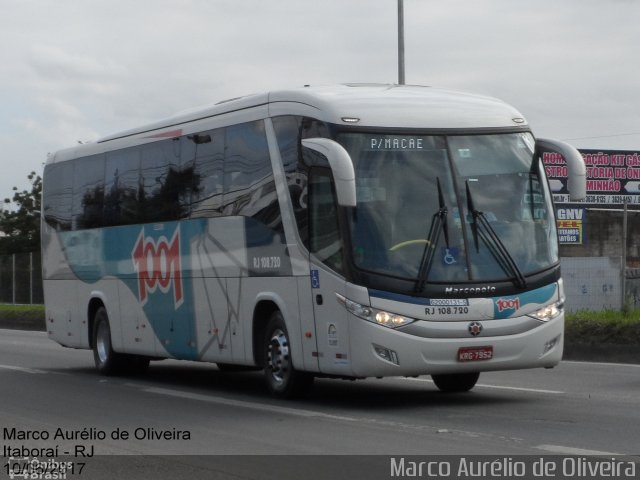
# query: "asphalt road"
{"points": [[193, 411]]}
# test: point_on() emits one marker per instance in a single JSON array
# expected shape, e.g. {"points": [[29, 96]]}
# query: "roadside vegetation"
{"points": [[607, 326], [28, 317]]}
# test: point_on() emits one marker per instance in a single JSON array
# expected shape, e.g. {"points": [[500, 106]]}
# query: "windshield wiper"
{"points": [[493, 242], [438, 224]]}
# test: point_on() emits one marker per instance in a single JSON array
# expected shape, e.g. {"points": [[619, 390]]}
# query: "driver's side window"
{"points": [[324, 233]]}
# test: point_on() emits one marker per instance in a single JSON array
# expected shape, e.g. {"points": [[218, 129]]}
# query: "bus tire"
{"points": [[107, 361], [283, 380], [456, 382]]}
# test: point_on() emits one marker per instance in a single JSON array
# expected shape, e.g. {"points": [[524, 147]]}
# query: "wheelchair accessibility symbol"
{"points": [[450, 256], [315, 279]]}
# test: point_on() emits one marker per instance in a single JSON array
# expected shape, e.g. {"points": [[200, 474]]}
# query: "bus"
{"points": [[346, 231]]}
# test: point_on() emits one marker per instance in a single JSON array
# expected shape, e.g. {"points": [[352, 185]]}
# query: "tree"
{"points": [[20, 219]]}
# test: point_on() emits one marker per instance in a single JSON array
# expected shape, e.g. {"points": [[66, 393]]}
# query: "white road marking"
{"points": [[603, 364], [21, 369], [575, 451], [244, 404], [521, 389], [499, 387], [423, 428], [301, 412]]}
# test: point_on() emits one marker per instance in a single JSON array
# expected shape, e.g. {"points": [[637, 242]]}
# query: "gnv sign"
{"points": [[158, 266]]}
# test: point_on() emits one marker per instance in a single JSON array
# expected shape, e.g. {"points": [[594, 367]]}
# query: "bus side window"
{"points": [[88, 192], [165, 185], [249, 186], [203, 154], [287, 130], [57, 194], [247, 168], [324, 234], [122, 177]]}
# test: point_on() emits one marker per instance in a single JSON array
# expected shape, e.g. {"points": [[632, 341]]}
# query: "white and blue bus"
{"points": [[350, 231]]}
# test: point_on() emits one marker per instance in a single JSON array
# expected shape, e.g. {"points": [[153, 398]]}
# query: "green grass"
{"points": [[9, 309], [607, 326], [29, 317]]}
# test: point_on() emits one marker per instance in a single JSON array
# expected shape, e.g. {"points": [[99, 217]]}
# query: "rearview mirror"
{"points": [[341, 167], [577, 181]]}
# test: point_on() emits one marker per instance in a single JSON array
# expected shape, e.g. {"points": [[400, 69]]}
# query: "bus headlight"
{"points": [[549, 312], [391, 320], [374, 315]]}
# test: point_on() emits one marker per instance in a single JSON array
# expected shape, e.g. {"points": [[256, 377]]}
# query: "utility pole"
{"points": [[624, 257], [401, 42]]}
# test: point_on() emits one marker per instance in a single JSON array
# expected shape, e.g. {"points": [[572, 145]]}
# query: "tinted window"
{"points": [[297, 160], [287, 130], [57, 198], [88, 192], [324, 234], [312, 128], [121, 187], [165, 187], [249, 188], [204, 154], [247, 168]]}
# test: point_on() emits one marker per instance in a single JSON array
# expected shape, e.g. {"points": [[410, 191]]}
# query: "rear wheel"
{"points": [[107, 361], [456, 382], [283, 380]]}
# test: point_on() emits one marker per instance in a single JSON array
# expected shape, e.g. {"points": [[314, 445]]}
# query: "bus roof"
{"points": [[362, 105], [403, 106]]}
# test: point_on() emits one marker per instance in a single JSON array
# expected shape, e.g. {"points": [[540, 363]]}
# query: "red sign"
{"points": [[158, 265], [612, 177], [508, 304]]}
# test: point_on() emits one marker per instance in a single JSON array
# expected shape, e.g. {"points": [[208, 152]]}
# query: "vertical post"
{"points": [[30, 278], [13, 278], [401, 42], [624, 257]]}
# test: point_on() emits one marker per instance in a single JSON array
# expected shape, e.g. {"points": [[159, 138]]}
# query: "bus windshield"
{"points": [[478, 205]]}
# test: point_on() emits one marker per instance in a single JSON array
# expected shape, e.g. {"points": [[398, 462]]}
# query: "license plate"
{"points": [[475, 354]]}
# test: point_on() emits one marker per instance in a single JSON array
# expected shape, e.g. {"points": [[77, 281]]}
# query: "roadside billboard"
{"points": [[612, 176]]}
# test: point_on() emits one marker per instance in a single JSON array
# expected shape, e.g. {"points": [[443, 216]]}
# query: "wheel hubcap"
{"points": [[102, 343], [278, 356]]}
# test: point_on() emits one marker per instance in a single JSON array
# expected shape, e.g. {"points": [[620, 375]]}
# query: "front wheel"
{"points": [[456, 382], [283, 380]]}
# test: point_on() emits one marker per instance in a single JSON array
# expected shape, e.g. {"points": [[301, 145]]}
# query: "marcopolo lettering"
{"points": [[469, 290]]}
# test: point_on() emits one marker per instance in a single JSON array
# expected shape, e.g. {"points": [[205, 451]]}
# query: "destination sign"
{"points": [[396, 143]]}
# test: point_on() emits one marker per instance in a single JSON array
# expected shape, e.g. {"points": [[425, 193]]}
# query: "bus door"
{"points": [[326, 263], [214, 289]]}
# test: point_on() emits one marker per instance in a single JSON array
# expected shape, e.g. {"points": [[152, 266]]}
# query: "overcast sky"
{"points": [[75, 70]]}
